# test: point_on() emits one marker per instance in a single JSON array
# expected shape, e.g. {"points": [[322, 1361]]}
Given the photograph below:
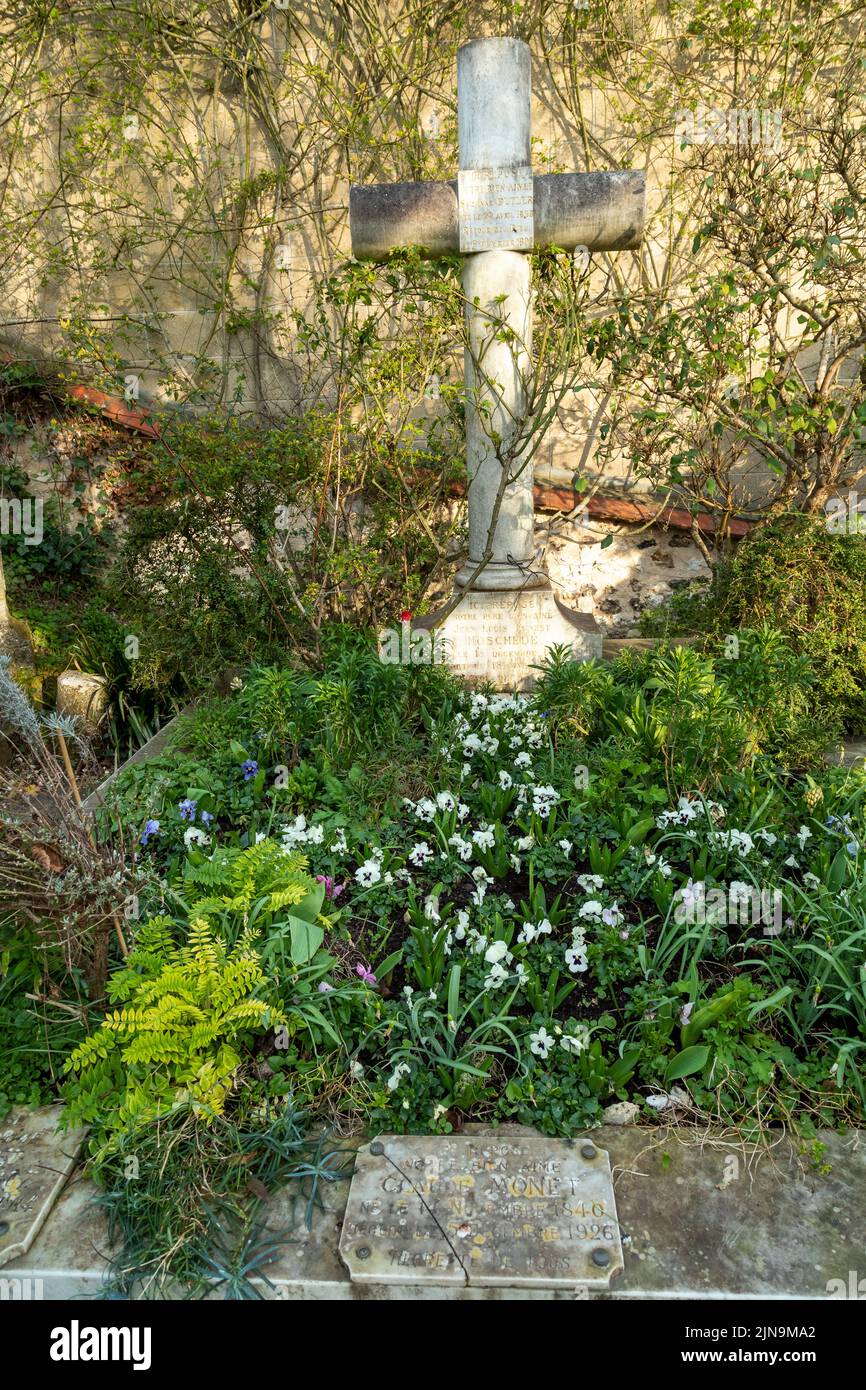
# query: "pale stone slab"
{"points": [[500, 635], [35, 1161], [494, 1211], [496, 209], [699, 1220]]}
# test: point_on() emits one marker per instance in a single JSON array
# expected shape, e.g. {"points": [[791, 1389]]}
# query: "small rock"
{"points": [[680, 541], [663, 557], [624, 1112], [646, 544], [610, 605]]}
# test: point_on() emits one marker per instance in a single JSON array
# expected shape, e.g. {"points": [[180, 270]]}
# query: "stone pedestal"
{"points": [[84, 696], [499, 636]]}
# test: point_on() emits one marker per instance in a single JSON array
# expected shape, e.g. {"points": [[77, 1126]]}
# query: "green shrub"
{"points": [[809, 584]]}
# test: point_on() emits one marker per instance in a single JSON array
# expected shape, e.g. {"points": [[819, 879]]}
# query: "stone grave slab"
{"points": [[35, 1161], [500, 635], [487, 1211]]}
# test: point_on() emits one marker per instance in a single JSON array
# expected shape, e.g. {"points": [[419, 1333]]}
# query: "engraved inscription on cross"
{"points": [[494, 214]]}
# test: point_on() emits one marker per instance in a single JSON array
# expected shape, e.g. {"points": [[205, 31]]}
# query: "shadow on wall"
{"points": [[640, 568]]}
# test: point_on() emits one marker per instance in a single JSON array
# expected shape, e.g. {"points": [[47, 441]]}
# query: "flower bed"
{"points": [[370, 899]]}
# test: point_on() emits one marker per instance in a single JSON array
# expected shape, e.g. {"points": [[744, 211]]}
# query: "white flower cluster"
{"points": [[299, 833], [541, 1043], [575, 955], [688, 810], [532, 931], [543, 801], [740, 841]]}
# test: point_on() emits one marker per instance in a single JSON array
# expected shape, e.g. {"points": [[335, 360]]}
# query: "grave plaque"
{"points": [[500, 636], [496, 209], [490, 1211]]}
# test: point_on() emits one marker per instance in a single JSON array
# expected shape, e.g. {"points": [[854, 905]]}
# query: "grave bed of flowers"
{"points": [[527, 921], [370, 899]]}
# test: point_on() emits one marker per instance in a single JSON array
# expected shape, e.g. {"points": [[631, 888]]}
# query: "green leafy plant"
{"points": [[188, 1012]]}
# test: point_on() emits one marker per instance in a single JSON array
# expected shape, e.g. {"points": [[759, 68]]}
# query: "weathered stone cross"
{"points": [[493, 215]]}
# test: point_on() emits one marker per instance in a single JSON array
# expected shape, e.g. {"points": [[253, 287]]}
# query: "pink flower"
{"points": [[332, 889], [366, 974]]}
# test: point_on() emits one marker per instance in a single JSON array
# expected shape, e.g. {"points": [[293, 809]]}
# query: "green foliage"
{"points": [[178, 1038], [60, 563], [187, 1206], [797, 576]]}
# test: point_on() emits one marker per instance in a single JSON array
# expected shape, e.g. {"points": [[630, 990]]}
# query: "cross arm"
{"points": [[602, 211]]}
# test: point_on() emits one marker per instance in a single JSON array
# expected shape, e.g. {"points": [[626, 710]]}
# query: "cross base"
{"points": [[500, 576]]}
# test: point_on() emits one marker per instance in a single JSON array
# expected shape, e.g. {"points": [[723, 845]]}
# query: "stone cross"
{"points": [[493, 215]]}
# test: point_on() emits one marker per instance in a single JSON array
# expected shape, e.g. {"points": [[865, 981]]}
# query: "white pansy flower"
{"points": [[420, 854], [497, 951], [543, 800], [368, 874], [576, 959], [590, 882], [497, 976], [463, 847], [591, 908], [576, 1042], [541, 1042]]}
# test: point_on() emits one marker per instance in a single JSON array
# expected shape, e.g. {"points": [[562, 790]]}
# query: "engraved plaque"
{"points": [[490, 1211], [502, 636], [496, 209]]}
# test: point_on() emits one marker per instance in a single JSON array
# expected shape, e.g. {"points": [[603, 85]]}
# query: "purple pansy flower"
{"points": [[151, 827], [249, 768], [187, 809]]}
